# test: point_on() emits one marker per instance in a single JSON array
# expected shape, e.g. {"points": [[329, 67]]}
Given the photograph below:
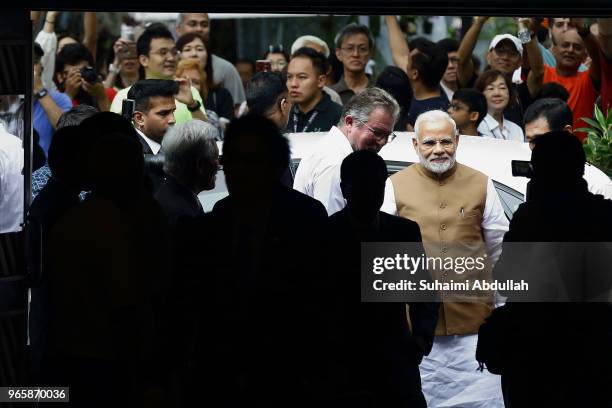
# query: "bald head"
{"points": [[194, 22], [569, 51]]}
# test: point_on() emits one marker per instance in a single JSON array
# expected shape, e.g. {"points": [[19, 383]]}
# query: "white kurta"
{"points": [[448, 374], [318, 175]]}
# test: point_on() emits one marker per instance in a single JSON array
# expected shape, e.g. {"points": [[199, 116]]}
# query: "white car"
{"points": [[493, 157]]}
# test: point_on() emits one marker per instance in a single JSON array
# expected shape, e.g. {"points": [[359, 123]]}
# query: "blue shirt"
{"points": [[41, 177], [41, 121]]}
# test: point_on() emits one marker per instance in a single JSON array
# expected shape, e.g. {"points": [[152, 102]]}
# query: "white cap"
{"points": [[500, 37]]}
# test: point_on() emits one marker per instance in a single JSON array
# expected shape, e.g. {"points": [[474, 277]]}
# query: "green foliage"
{"points": [[598, 146]]}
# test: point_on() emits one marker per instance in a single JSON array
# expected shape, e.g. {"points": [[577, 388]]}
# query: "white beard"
{"points": [[438, 168]]}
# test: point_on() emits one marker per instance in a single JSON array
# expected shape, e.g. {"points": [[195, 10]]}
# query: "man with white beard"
{"points": [[460, 215]]}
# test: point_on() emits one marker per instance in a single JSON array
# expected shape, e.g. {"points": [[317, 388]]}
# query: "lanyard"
{"points": [[313, 115]]}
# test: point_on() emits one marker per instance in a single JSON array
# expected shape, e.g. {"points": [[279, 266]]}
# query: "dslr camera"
{"points": [[89, 74]]}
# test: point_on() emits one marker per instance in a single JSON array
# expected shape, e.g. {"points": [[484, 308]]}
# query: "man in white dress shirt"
{"points": [[460, 215], [552, 114], [366, 124], [11, 182]]}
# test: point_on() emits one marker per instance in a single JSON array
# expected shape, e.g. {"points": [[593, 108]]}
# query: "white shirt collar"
{"points": [[340, 139], [492, 123], [155, 147]]}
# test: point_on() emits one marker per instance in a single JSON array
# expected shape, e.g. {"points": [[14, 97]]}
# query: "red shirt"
{"points": [[606, 82], [582, 95]]}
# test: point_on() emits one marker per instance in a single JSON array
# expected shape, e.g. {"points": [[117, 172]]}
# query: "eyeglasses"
{"points": [[278, 64], [163, 52], [445, 143], [379, 135], [361, 50]]}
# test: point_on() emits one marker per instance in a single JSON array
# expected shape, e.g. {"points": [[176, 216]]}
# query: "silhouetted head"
{"points": [[255, 156], [97, 127], [65, 156], [557, 159], [362, 179], [116, 167]]}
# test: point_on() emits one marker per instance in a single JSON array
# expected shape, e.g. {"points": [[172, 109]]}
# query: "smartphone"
{"points": [[263, 65], [127, 109], [522, 168], [129, 50]]}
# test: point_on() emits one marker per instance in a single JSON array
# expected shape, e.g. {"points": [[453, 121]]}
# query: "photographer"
{"points": [[75, 77], [125, 68]]}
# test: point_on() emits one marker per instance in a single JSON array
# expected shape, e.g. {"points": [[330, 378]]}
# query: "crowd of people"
{"points": [[140, 296]]}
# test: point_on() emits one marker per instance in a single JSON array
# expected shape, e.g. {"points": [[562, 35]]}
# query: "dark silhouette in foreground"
{"points": [[262, 330], [555, 353], [376, 354]]}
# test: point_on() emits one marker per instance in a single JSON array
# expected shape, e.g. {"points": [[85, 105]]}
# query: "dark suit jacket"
{"points": [[264, 309], [177, 201], [145, 146], [579, 331], [365, 324]]}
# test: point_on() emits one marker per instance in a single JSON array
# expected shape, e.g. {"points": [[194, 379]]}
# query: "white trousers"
{"points": [[450, 377]]}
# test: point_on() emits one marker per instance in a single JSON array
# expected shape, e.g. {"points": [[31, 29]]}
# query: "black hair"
{"points": [[143, 90], [272, 145], [72, 54], [558, 157], [395, 81], [362, 164], [424, 45], [189, 37], [264, 91], [556, 112], [431, 67], [319, 62], [553, 90], [143, 45], [475, 101], [354, 29], [276, 49], [448, 44], [76, 115]]}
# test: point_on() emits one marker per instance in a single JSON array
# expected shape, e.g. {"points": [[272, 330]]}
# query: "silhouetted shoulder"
{"points": [[307, 203], [403, 229]]}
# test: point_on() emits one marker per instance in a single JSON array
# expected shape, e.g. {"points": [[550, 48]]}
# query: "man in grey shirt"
{"points": [[223, 71]]}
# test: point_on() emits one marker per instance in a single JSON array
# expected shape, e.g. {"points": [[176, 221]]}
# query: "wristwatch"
{"points": [[41, 94], [113, 69], [525, 35], [195, 107]]}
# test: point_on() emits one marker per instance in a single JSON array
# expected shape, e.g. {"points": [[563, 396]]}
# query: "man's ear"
{"points": [[138, 119], [488, 57], [568, 128], [144, 60], [321, 81], [339, 54], [415, 143]]}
